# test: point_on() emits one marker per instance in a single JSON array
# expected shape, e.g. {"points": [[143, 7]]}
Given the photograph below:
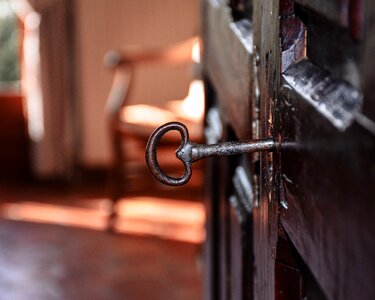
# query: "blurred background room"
{"points": [[83, 85]]}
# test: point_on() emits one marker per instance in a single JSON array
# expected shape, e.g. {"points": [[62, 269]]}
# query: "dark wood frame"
{"points": [[312, 208]]}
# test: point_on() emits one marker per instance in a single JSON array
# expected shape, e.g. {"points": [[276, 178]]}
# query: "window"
{"points": [[9, 47]]}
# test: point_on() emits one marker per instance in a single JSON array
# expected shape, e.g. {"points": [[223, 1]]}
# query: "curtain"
{"points": [[47, 81]]}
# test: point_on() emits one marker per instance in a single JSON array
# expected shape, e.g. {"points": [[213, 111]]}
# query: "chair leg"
{"points": [[116, 179], [112, 217]]}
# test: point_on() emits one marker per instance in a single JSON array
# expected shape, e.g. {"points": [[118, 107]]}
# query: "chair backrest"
{"points": [[125, 60]]}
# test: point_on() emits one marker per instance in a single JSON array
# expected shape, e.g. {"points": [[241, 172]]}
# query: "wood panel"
{"points": [[327, 181], [369, 62], [336, 11], [228, 58], [266, 32], [331, 227], [311, 72]]}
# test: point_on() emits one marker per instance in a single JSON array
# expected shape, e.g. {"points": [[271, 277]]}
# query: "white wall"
{"points": [[109, 24]]}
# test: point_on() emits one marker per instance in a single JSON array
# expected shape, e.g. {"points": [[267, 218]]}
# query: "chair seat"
{"points": [[141, 119]]}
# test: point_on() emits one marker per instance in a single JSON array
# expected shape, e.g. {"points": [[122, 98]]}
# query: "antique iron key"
{"points": [[189, 152]]}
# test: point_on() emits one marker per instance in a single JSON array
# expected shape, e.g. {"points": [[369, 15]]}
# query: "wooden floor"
{"points": [[40, 260]]}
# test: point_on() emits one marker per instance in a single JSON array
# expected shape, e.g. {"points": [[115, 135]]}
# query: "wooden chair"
{"points": [[134, 123]]}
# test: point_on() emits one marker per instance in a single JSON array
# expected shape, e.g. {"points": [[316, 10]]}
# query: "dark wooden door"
{"points": [[297, 223]]}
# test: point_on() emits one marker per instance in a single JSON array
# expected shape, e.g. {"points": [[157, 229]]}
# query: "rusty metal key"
{"points": [[189, 152]]}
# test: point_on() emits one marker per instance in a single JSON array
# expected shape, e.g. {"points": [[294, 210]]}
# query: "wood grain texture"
{"points": [[230, 67], [327, 188], [320, 187], [266, 37], [228, 58], [40, 261], [369, 62], [336, 11], [327, 179]]}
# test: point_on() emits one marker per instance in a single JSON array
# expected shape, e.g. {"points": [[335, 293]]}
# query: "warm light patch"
{"points": [[179, 220], [146, 115], [54, 214], [196, 52], [169, 219], [191, 108]]}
